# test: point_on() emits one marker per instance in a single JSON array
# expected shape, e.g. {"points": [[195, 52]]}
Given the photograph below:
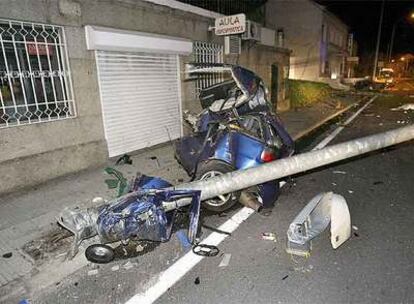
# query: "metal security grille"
{"points": [[35, 83], [205, 52], [141, 99]]}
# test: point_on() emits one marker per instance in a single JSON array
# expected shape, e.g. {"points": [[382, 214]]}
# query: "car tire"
{"points": [[99, 253], [211, 169]]}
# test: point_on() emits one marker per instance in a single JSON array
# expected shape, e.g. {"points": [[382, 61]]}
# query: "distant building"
{"points": [[318, 39]]}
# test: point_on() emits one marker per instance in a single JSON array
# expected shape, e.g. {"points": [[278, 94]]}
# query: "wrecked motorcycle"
{"points": [[146, 213], [236, 130]]}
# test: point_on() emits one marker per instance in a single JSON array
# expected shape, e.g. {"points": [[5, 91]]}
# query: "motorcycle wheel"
{"points": [[211, 169], [99, 253]]}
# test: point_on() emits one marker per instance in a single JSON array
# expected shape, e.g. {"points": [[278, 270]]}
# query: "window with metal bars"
{"points": [[35, 83], [205, 52]]}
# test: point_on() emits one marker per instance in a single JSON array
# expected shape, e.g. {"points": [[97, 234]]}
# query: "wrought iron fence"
{"points": [[35, 84], [205, 52]]}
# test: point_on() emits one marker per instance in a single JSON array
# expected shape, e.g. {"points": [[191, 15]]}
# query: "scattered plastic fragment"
{"points": [[226, 260], [119, 181], [206, 250], [380, 124], [333, 184], [405, 107], [182, 237], [115, 268], [197, 280], [269, 236], [285, 277], [128, 265], [124, 159], [304, 269], [338, 172], [24, 301], [350, 191], [354, 227], [93, 272], [98, 200], [156, 160], [8, 255]]}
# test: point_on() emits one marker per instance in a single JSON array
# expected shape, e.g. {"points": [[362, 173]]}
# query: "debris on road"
{"points": [[115, 268], [206, 250], [93, 272], [354, 227], [303, 269], [323, 209], [7, 255], [119, 181], [269, 236], [124, 159], [350, 191], [156, 161], [338, 172], [98, 200], [225, 261], [405, 107], [285, 277], [197, 280], [128, 265]]}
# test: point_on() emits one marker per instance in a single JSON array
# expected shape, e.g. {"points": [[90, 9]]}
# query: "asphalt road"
{"points": [[375, 265]]}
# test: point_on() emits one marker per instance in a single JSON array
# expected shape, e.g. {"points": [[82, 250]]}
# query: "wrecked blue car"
{"points": [[236, 130]]}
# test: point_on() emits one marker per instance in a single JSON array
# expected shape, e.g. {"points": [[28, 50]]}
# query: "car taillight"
{"points": [[268, 155]]}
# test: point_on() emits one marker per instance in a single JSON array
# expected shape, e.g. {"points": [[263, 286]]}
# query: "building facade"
{"points": [[317, 38], [86, 80]]}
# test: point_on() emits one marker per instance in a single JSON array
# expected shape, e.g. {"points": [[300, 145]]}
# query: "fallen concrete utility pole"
{"points": [[243, 179]]}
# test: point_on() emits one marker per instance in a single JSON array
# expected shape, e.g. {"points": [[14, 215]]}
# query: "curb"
{"points": [[325, 120]]}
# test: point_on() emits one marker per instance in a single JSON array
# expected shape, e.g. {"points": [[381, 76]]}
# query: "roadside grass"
{"points": [[305, 93]]}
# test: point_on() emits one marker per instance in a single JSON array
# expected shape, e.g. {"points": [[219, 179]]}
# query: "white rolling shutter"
{"points": [[140, 96]]}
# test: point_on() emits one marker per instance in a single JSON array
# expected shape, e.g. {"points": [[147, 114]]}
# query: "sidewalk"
{"points": [[27, 215]]}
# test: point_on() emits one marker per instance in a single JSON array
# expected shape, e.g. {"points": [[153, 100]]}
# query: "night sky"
{"points": [[363, 16]]}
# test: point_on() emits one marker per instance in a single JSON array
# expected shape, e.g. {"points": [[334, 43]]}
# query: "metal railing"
{"points": [[205, 52], [35, 84]]}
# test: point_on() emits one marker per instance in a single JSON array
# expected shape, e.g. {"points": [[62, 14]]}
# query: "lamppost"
{"points": [[393, 33], [374, 71]]}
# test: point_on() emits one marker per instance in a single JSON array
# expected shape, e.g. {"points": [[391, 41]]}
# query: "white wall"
{"points": [[301, 21]]}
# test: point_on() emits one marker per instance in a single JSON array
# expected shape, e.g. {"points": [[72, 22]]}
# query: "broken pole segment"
{"points": [[242, 179]]}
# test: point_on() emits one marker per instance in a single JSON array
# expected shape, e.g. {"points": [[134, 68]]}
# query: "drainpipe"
{"points": [[243, 179]]}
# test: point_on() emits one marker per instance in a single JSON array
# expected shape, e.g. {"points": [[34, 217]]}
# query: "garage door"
{"points": [[140, 96]]}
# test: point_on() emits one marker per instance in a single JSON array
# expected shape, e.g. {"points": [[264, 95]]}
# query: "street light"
{"points": [[393, 33]]}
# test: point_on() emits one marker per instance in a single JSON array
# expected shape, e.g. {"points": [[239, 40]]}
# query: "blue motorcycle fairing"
{"points": [[140, 214]]}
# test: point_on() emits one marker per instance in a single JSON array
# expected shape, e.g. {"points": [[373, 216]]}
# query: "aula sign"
{"points": [[228, 25]]}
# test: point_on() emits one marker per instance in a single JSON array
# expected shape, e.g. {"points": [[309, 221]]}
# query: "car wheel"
{"points": [[99, 253], [212, 169]]}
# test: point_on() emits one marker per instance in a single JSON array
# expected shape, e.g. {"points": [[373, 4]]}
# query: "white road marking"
{"points": [[176, 271], [338, 130]]}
